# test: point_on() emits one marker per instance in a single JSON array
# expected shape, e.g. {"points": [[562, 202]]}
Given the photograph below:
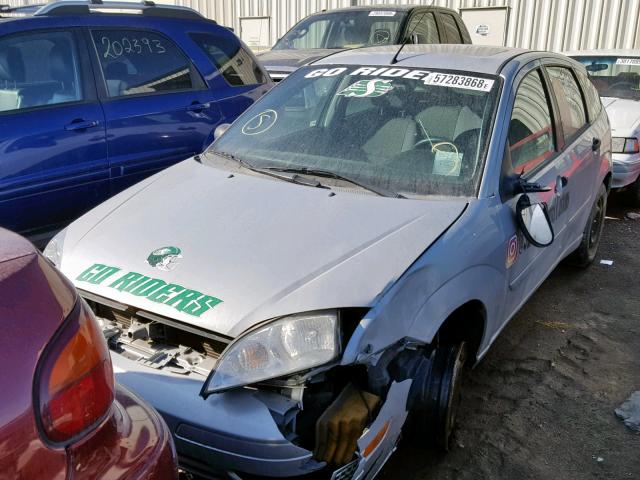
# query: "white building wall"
{"points": [[537, 24]]}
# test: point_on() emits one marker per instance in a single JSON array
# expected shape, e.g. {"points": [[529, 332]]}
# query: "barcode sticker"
{"points": [[628, 61], [458, 81], [382, 13]]}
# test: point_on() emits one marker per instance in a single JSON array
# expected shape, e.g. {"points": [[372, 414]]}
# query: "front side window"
{"points": [[136, 62], [352, 29], [235, 64], [423, 28], [617, 77], [451, 28], [530, 128], [38, 69], [569, 98], [404, 130]]}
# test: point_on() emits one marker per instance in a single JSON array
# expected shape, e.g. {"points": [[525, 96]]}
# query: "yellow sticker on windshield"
{"points": [[458, 81]]}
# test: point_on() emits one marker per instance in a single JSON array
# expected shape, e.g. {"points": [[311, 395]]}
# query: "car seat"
{"points": [[396, 135], [448, 122]]}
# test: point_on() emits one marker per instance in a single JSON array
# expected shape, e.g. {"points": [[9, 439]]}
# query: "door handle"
{"points": [[197, 107], [595, 144], [80, 125]]}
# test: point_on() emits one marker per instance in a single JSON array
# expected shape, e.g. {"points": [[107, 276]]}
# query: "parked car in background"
{"points": [[92, 102], [353, 238], [328, 32], [61, 414], [616, 76]]}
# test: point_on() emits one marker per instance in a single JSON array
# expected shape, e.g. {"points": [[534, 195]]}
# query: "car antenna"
{"points": [[394, 60]]}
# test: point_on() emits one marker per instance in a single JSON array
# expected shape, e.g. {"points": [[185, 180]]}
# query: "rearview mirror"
{"points": [[596, 67], [220, 129], [534, 222]]}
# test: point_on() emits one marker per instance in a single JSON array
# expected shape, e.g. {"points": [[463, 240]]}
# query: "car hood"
{"points": [[289, 60], [624, 115], [262, 247]]}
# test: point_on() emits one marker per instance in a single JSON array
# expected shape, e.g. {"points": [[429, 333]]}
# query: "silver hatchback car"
{"points": [[306, 291]]}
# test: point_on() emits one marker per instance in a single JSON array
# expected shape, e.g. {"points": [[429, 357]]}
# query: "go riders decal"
{"points": [[181, 298], [364, 89]]}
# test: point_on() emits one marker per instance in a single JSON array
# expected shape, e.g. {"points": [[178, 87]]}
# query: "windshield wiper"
{"points": [[269, 171], [329, 174]]}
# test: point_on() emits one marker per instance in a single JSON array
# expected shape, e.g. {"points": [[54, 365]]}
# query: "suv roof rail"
{"points": [[146, 7]]}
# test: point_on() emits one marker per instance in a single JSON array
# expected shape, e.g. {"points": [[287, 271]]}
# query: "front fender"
{"points": [[401, 318]]}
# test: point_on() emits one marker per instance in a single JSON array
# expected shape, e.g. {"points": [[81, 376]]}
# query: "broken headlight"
{"points": [[285, 346]]}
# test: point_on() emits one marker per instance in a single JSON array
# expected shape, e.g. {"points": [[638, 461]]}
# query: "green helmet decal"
{"points": [[164, 258], [367, 88]]}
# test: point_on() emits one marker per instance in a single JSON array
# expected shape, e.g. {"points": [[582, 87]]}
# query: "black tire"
{"points": [[633, 194], [586, 253], [432, 420]]}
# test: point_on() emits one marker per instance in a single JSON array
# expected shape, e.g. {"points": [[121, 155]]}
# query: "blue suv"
{"points": [[97, 96]]}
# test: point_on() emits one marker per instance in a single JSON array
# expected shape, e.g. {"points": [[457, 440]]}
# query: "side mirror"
{"points": [[534, 222], [220, 129]]}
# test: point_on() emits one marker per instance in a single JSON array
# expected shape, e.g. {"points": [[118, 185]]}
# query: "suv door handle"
{"points": [[595, 144], [197, 107], [80, 124]]}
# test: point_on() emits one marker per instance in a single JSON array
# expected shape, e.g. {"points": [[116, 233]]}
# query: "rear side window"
{"points": [[594, 105], [236, 65], [136, 62], [38, 69], [451, 28], [530, 129], [423, 28], [569, 98]]}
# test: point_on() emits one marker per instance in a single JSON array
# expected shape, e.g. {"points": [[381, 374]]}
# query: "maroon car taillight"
{"points": [[74, 386]]}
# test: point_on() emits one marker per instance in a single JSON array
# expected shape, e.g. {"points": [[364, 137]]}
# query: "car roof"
{"points": [[475, 58], [397, 8], [14, 246], [611, 52]]}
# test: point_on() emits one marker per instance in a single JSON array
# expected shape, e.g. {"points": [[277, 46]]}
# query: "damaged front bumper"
{"points": [[234, 431], [239, 431]]}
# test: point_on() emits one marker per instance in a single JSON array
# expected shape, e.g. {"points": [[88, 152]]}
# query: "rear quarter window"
{"points": [[592, 98], [569, 98], [237, 65], [451, 29]]}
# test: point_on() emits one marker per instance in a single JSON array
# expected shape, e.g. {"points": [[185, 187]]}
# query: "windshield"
{"points": [[403, 130], [614, 76], [344, 30]]}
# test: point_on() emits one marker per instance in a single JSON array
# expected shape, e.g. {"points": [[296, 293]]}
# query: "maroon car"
{"points": [[61, 414]]}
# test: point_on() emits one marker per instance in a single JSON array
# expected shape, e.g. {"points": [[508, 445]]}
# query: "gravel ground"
{"points": [[541, 403]]}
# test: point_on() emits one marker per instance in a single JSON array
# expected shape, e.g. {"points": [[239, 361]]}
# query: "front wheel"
{"points": [[585, 254], [438, 392]]}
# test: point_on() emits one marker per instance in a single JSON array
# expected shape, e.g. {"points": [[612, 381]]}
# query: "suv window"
{"points": [[530, 129], [236, 64], [451, 28], [135, 62], [594, 105], [569, 98], [423, 28], [38, 69]]}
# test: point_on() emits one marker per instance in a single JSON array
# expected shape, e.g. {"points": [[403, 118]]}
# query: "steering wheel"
{"points": [[431, 141]]}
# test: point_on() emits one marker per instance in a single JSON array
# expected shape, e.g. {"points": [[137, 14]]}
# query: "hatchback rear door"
{"points": [[53, 154]]}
